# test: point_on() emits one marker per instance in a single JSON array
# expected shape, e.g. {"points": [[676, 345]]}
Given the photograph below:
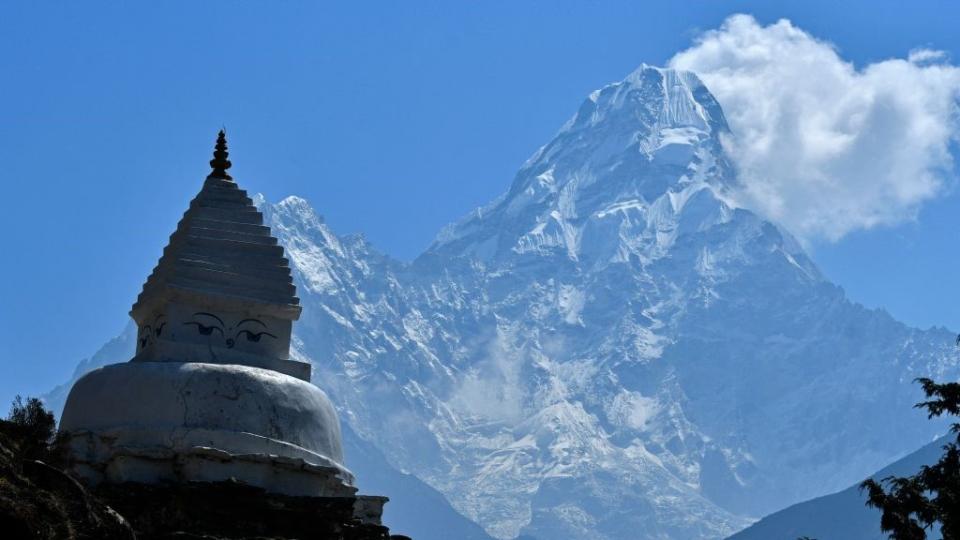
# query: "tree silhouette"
{"points": [[33, 427], [913, 505]]}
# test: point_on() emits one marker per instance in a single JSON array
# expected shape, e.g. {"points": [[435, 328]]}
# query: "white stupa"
{"points": [[211, 394]]}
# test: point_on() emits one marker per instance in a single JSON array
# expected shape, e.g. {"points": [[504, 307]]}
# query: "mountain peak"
{"points": [[647, 102], [661, 98], [650, 135]]}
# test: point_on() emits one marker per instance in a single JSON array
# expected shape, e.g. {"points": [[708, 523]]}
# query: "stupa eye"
{"points": [[206, 329], [203, 329], [145, 336], [254, 336]]}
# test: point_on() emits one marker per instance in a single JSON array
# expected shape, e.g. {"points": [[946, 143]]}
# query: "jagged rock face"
{"points": [[598, 186], [611, 350]]}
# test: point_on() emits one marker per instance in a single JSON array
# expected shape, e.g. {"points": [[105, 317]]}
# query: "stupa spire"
{"points": [[220, 163], [212, 394], [221, 263]]}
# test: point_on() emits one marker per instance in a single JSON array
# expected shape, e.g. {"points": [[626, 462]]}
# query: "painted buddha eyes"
{"points": [[211, 320], [251, 335], [207, 323], [255, 337], [205, 330], [148, 332]]}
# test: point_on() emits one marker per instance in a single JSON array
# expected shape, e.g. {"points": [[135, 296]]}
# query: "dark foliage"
{"points": [[33, 426], [913, 506], [39, 501]]}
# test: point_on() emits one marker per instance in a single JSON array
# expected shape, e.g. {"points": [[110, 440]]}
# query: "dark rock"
{"points": [[231, 510], [39, 501]]}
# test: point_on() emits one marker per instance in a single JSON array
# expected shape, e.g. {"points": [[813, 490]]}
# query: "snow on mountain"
{"points": [[611, 350], [581, 192]]}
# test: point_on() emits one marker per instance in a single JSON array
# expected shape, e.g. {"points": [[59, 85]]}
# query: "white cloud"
{"points": [[921, 56], [492, 388], [823, 147]]}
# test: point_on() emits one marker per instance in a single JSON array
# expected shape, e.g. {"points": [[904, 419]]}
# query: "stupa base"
{"points": [[115, 457], [232, 510]]}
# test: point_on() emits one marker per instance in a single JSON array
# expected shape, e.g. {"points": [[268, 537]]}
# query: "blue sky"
{"points": [[391, 118]]}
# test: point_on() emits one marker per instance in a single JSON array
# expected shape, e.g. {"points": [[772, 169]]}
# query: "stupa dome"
{"points": [[214, 418]]}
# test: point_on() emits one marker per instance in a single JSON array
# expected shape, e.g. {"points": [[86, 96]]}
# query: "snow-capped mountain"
{"points": [[611, 350]]}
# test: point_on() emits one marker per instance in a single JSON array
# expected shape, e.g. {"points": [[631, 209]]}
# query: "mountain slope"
{"points": [[415, 509], [839, 516], [611, 349]]}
